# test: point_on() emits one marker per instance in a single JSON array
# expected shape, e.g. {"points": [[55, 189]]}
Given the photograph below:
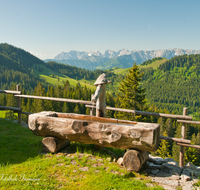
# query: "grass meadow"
{"points": [[23, 165]]}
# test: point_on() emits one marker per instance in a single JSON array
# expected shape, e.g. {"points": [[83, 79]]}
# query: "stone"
{"points": [[114, 172], [94, 165], [154, 171], [174, 177], [100, 160], [173, 163], [92, 158], [100, 164], [172, 168], [120, 161], [156, 160], [60, 164], [185, 177], [190, 172], [73, 162], [153, 166], [166, 181], [162, 174], [191, 166], [168, 160], [83, 169]]}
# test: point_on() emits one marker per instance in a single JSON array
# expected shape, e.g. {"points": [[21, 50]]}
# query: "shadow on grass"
{"points": [[17, 144], [94, 150]]}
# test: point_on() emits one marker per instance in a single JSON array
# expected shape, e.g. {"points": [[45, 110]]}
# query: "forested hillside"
{"points": [[75, 72], [174, 84], [170, 86], [15, 68]]}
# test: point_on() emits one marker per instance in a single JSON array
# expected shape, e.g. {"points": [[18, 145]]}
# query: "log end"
{"points": [[134, 159], [53, 144]]}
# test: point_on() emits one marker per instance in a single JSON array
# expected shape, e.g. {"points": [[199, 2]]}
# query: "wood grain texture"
{"points": [[134, 159], [53, 144], [141, 136]]}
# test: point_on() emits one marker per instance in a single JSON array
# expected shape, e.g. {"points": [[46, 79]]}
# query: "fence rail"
{"points": [[10, 92], [146, 113], [55, 99], [184, 119]]}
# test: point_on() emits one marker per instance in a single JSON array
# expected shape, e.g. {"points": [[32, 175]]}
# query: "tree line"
{"points": [[130, 96]]}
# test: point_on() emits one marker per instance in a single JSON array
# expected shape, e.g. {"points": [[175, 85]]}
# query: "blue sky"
{"points": [[47, 27]]}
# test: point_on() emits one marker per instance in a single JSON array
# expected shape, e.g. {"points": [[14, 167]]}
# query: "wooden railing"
{"points": [[184, 119]]}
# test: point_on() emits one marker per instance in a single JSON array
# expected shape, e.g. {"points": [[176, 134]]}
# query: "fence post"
{"points": [[19, 105], [183, 136], [92, 110]]}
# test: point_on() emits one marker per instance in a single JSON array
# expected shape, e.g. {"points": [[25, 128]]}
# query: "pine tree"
{"points": [[38, 105], [164, 148], [191, 154], [131, 95], [176, 148]]}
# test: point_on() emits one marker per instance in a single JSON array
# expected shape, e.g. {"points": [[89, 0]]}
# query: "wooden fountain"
{"points": [[61, 128]]}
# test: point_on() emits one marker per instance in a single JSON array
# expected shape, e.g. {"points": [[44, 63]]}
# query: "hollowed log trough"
{"points": [[61, 128]]}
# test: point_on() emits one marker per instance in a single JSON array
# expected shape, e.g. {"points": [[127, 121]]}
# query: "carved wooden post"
{"points": [[183, 136], [100, 95], [19, 105]]}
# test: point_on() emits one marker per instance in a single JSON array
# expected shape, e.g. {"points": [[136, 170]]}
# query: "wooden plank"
{"points": [[10, 108], [190, 122], [183, 136], [146, 113], [19, 105], [56, 99], [188, 145], [27, 113], [175, 139], [10, 92]]}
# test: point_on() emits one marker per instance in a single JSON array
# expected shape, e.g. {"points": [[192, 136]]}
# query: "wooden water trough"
{"points": [[61, 128]]}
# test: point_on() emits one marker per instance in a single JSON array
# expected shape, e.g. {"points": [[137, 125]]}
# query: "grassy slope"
{"points": [[22, 166], [47, 75], [154, 65]]}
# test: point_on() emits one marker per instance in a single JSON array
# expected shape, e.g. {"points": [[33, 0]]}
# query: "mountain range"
{"points": [[109, 59], [170, 84]]}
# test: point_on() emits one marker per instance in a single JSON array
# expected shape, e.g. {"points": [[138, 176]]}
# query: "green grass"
{"points": [[3, 114], [47, 75], [24, 166], [154, 64]]}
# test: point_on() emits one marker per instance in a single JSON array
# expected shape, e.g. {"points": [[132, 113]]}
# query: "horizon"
{"points": [[47, 28]]}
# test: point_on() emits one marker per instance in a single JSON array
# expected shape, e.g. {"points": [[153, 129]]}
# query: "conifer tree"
{"points": [[131, 95], [176, 148], [38, 105], [164, 148], [192, 153]]}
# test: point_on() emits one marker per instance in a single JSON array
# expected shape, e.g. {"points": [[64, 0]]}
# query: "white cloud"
{"points": [[39, 55]]}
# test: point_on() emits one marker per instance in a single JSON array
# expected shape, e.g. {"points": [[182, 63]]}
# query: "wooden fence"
{"points": [[184, 119]]}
